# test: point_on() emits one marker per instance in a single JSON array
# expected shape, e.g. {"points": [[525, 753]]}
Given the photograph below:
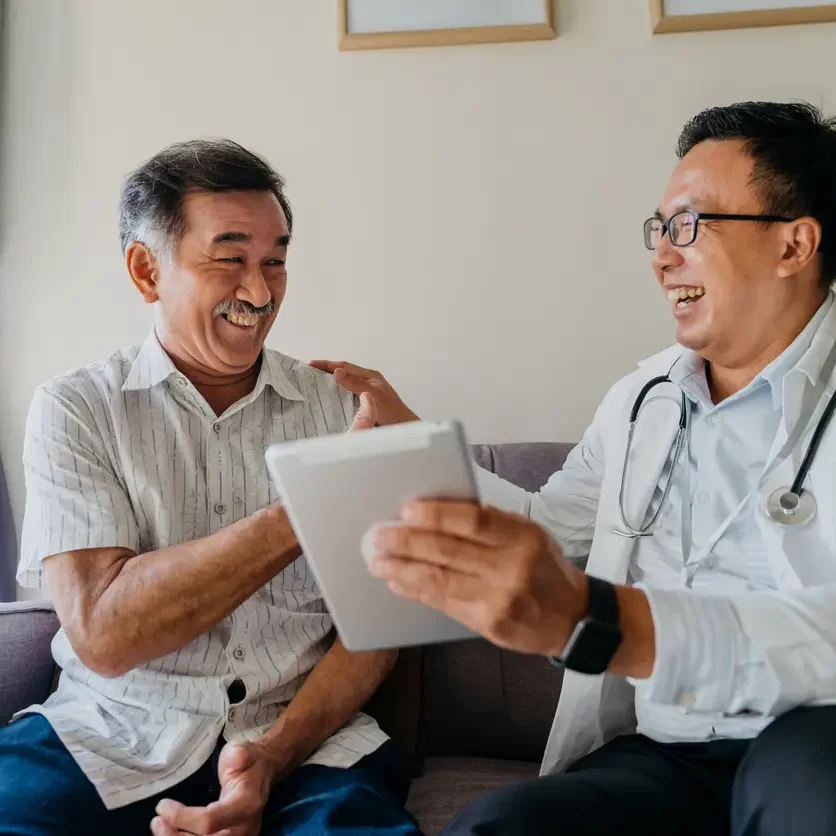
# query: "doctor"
{"points": [[710, 588]]}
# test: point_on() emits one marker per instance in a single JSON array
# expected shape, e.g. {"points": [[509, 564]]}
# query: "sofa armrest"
{"points": [[26, 665]]}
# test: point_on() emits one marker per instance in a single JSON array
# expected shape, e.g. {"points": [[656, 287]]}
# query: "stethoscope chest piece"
{"points": [[787, 508]]}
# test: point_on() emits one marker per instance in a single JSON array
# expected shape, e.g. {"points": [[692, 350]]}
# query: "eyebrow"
{"points": [[243, 237]]}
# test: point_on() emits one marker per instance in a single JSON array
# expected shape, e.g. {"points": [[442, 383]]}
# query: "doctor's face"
{"points": [[732, 267]]}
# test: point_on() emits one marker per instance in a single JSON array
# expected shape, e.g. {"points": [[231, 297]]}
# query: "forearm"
{"points": [[333, 693], [154, 603]]}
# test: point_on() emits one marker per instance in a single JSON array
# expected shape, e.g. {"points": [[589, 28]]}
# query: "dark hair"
{"points": [[151, 207], [793, 147]]}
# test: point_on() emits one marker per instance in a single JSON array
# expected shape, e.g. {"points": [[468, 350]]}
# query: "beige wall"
{"points": [[468, 218]]}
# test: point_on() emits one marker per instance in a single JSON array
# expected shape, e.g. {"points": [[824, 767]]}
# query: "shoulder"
{"points": [[315, 386], [623, 392], [86, 390]]}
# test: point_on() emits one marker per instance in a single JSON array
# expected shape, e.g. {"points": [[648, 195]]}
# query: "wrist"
{"points": [[281, 537], [637, 654]]}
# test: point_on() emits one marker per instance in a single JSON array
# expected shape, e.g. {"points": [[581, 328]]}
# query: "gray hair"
{"points": [[151, 206]]}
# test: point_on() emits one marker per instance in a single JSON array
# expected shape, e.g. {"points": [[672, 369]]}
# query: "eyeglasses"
{"points": [[682, 227]]}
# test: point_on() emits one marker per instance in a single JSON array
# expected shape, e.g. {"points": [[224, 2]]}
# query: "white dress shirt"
{"points": [[692, 546], [127, 453]]}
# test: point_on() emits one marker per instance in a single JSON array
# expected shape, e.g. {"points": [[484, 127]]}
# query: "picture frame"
{"points": [[394, 24], [736, 14]]}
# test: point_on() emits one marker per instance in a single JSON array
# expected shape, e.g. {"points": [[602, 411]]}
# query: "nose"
{"points": [[253, 288], [665, 257]]}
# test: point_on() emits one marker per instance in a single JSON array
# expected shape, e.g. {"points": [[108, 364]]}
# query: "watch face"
{"points": [[592, 646]]}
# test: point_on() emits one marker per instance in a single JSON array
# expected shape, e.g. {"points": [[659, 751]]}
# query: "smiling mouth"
{"points": [[241, 320], [684, 296]]}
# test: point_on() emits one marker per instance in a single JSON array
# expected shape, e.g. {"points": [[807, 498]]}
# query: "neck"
{"points": [[725, 380], [220, 389]]}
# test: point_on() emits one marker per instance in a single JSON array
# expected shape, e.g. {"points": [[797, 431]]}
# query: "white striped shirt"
{"points": [[127, 453]]}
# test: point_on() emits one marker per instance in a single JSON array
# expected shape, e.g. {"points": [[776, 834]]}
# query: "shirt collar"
{"points": [[806, 353], [152, 365], [796, 355]]}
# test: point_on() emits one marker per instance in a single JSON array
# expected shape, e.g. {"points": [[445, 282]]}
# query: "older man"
{"points": [[711, 585], [202, 691]]}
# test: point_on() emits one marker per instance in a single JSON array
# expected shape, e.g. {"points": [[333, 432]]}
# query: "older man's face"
{"points": [[733, 263], [221, 292]]}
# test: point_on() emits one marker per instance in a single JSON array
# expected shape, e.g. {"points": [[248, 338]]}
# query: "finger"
{"points": [[433, 586], [218, 815], [329, 366], [352, 382], [160, 828], [470, 521], [366, 416], [438, 549], [333, 366]]}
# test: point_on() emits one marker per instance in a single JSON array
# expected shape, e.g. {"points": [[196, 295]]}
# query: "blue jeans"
{"points": [[43, 792]]}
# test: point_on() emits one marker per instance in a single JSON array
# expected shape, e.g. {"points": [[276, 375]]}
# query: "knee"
{"points": [[525, 809], [785, 782], [500, 812]]}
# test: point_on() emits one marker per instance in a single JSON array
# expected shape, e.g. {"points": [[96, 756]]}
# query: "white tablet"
{"points": [[336, 487]]}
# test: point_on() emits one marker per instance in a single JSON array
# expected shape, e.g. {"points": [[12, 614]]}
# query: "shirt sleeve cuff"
{"points": [[498, 493], [699, 647]]}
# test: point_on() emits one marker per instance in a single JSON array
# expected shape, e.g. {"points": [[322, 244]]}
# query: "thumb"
{"points": [[234, 759], [366, 416]]}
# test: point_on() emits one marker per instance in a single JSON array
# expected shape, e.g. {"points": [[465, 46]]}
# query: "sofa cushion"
{"points": [[481, 701], [451, 783], [26, 666], [528, 465], [397, 706]]}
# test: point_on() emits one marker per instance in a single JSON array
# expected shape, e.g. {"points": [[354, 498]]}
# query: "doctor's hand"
{"points": [[246, 772], [390, 408], [366, 416], [497, 573]]}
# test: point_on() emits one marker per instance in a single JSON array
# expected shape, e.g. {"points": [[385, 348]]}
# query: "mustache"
{"points": [[237, 307]]}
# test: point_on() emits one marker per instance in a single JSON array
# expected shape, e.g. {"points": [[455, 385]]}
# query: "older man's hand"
{"points": [[497, 573], [246, 772]]}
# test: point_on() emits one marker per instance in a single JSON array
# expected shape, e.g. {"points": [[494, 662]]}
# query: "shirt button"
{"points": [[705, 496], [181, 381], [216, 427], [716, 419], [686, 699], [238, 653], [711, 562], [231, 714], [220, 508]]}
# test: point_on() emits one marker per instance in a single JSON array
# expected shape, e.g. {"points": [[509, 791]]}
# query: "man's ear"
{"points": [[143, 268], [801, 242]]}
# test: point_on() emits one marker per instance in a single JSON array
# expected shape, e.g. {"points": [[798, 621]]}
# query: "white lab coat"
{"points": [[793, 631]]}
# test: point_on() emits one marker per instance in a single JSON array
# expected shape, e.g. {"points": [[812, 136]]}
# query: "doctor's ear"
{"points": [[800, 240]]}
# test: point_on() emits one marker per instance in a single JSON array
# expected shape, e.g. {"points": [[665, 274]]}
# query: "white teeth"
{"points": [[692, 292], [681, 304]]}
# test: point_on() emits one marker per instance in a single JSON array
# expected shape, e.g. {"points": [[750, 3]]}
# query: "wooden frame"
{"points": [[445, 37], [663, 24]]}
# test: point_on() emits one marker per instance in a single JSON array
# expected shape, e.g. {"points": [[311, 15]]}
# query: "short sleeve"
{"points": [[74, 498]]}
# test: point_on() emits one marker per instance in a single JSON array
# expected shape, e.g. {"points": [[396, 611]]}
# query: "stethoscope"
{"points": [[786, 506]]}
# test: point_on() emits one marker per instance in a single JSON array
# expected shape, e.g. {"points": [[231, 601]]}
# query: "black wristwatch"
{"points": [[597, 636]]}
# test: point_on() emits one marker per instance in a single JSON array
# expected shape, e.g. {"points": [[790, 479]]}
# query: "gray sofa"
{"points": [[470, 716]]}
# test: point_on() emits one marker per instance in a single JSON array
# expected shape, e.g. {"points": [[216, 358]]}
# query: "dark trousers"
{"points": [[44, 793], [783, 783]]}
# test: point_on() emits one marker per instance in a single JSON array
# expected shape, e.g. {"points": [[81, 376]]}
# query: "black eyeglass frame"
{"points": [[703, 216]]}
